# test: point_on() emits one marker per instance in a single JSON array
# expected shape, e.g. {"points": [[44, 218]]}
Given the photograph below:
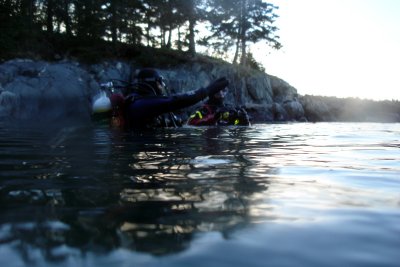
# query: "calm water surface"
{"points": [[325, 194]]}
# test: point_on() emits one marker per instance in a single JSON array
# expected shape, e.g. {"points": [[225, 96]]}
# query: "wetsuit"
{"points": [[138, 110], [155, 111]]}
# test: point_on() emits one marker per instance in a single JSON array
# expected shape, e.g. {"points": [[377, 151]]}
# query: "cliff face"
{"points": [[38, 90], [44, 90], [266, 98], [41, 91]]}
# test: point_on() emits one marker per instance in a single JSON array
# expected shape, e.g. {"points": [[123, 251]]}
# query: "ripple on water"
{"points": [[283, 194]]}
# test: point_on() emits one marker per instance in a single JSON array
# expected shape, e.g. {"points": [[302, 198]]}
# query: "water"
{"points": [[325, 194]]}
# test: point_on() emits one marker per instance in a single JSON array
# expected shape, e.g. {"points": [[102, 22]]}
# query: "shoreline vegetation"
{"points": [[59, 28], [59, 31], [350, 109]]}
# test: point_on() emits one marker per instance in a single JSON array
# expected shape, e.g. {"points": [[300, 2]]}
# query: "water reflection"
{"points": [[94, 189], [78, 191]]}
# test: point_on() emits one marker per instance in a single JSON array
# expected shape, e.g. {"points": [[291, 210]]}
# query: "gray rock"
{"points": [[43, 91], [294, 110], [279, 112], [316, 109], [282, 91], [111, 70], [53, 91]]}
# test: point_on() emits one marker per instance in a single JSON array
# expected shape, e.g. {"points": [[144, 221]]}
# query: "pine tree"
{"points": [[235, 23]]}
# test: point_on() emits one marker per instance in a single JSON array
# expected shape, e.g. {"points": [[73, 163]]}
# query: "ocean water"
{"points": [[301, 194]]}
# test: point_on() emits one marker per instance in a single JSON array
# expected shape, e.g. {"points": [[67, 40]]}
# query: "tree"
{"points": [[163, 17], [50, 16], [131, 14], [166, 16], [235, 23], [89, 19], [190, 13], [65, 16]]}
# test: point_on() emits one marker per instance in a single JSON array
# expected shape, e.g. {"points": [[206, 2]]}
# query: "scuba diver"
{"points": [[145, 103], [215, 112]]}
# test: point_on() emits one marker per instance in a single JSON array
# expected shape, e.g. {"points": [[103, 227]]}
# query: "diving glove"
{"points": [[216, 86]]}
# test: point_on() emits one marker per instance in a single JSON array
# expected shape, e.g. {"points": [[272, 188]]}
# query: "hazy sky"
{"points": [[338, 47]]}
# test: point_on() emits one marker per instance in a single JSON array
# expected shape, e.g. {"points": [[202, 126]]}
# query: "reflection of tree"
{"points": [[148, 192]]}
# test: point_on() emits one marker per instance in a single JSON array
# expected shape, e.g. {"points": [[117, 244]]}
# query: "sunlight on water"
{"points": [[324, 194]]}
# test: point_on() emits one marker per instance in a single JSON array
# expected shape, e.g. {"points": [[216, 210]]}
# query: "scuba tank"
{"points": [[101, 102], [107, 104], [117, 96]]}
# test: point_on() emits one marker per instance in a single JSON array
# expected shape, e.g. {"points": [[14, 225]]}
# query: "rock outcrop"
{"points": [[44, 90], [33, 90]]}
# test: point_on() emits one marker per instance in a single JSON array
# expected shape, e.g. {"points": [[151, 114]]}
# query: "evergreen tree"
{"points": [[159, 23], [27, 9], [235, 23], [131, 14], [64, 15], [89, 19], [191, 13], [162, 17], [50, 16]]}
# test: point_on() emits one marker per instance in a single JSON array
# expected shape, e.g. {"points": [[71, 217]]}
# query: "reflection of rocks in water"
{"points": [[149, 225], [152, 195]]}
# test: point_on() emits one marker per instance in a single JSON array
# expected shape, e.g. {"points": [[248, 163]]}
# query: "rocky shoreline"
{"points": [[43, 90]]}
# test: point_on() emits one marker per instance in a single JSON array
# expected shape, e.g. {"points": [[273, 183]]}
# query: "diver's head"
{"points": [[217, 98], [153, 79]]}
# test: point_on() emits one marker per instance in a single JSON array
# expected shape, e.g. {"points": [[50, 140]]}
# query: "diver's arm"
{"points": [[157, 105]]}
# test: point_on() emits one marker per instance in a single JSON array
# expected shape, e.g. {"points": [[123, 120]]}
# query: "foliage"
{"points": [[252, 62], [235, 23], [329, 108], [39, 27]]}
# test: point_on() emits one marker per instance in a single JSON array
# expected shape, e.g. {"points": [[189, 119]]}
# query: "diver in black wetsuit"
{"points": [[146, 104]]}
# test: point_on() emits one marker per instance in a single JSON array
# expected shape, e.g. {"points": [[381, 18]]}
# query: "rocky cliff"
{"points": [[44, 90]]}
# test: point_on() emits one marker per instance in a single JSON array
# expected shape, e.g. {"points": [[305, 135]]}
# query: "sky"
{"points": [[342, 48]]}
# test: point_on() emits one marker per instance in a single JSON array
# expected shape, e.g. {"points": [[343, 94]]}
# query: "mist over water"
{"points": [[324, 194]]}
